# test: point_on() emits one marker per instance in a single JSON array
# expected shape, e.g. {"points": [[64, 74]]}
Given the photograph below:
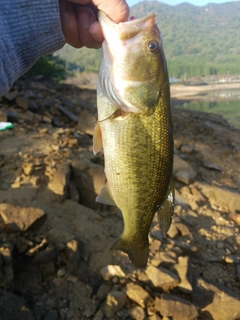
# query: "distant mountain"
{"points": [[197, 41]]}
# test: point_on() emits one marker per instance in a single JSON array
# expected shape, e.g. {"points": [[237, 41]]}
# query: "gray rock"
{"points": [[220, 196], [175, 307], [185, 148], [122, 314], [211, 166], [173, 231], [48, 254], [184, 273], [164, 258], [74, 253], [154, 317], [232, 259], [90, 179], [179, 200], [19, 218], [22, 103], [98, 315], [33, 106], [183, 229], [47, 269], [61, 272], [115, 301], [6, 278], [235, 217], [70, 314], [110, 271], [103, 291], [157, 234], [10, 96], [187, 249], [60, 181], [86, 122], [155, 245], [98, 177], [216, 301], [73, 192], [12, 307], [138, 294], [162, 278], [238, 272], [52, 315], [137, 313], [182, 170], [67, 113], [142, 277], [28, 168]]}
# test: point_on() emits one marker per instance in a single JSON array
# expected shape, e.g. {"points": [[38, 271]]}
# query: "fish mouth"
{"points": [[128, 29], [104, 16]]}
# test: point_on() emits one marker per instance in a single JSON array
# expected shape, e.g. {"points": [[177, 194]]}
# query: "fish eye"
{"points": [[153, 46]]}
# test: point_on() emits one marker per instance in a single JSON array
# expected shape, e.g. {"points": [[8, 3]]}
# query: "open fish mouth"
{"points": [[133, 21], [128, 29]]}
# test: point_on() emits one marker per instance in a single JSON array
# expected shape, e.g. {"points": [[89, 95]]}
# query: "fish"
{"points": [[135, 131]]}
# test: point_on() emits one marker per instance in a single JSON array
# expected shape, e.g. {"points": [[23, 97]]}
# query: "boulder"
{"points": [[138, 294], [19, 219], [161, 278], [115, 301], [216, 301], [175, 307], [182, 170]]}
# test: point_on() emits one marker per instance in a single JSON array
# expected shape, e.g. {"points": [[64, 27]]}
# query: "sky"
{"points": [[174, 2]]}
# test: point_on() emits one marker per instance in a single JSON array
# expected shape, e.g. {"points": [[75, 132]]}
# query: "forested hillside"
{"points": [[198, 41]]}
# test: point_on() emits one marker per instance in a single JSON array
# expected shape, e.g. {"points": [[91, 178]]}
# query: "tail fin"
{"points": [[138, 254]]}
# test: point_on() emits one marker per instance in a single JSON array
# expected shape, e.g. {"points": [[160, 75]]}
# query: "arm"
{"points": [[28, 29], [32, 28]]}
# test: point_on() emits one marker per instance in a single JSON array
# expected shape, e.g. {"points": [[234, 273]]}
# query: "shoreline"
{"points": [[180, 91]]}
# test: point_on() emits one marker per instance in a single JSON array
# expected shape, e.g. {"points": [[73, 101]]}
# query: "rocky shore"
{"points": [[55, 240]]}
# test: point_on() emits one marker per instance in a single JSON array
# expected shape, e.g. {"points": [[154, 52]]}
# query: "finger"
{"points": [[117, 10], [69, 24], [96, 32], [85, 18]]}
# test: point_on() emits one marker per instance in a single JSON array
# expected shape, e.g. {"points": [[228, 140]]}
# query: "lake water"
{"points": [[225, 103]]}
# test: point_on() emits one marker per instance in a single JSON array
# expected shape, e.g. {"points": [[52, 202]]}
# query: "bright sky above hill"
{"points": [[174, 2]]}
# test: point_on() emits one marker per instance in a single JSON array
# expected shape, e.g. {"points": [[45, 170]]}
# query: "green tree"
{"points": [[49, 67]]}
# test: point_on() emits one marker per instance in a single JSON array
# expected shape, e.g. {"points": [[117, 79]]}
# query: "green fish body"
{"points": [[135, 130]]}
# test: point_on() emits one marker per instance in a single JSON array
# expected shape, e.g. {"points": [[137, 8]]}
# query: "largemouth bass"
{"points": [[135, 130]]}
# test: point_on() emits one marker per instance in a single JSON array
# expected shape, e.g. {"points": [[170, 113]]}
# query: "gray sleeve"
{"points": [[28, 30]]}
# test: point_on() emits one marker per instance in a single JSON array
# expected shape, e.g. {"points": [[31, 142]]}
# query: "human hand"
{"points": [[79, 20]]}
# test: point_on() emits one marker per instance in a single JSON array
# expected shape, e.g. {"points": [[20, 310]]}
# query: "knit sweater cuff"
{"points": [[28, 29]]}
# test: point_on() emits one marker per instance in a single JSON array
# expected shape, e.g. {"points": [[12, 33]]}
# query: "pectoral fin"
{"points": [[165, 212], [97, 139], [105, 196]]}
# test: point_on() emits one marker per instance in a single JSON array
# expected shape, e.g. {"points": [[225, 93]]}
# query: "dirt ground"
{"points": [[53, 269]]}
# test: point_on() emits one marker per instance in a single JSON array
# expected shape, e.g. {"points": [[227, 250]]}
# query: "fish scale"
{"points": [[137, 143]]}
